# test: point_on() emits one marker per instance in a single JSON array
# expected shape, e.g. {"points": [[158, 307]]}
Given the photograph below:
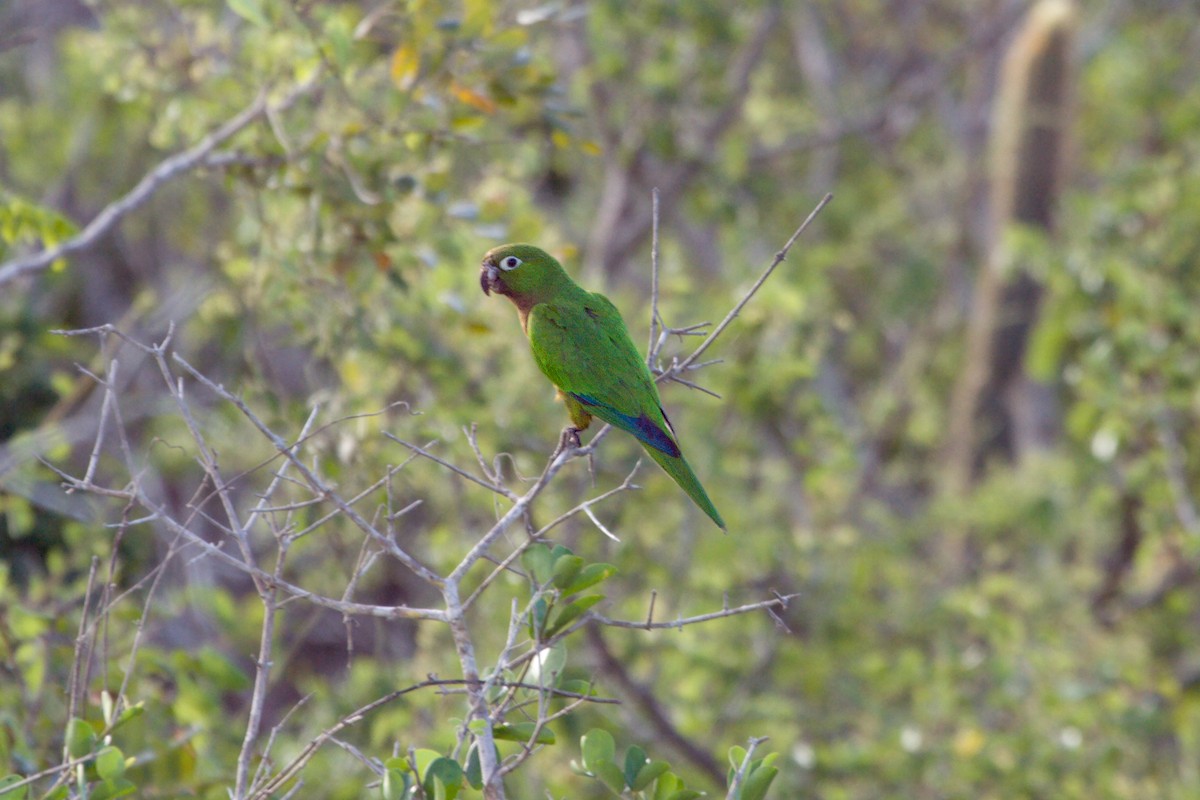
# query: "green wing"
{"points": [[583, 347]]}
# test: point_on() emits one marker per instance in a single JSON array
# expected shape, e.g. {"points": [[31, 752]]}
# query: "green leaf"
{"points": [[249, 10], [444, 774], [539, 563], [13, 794], [590, 576], [668, 784], [757, 782], [424, 758], [635, 759], [396, 782], [597, 746], [572, 612], [685, 794], [110, 763], [566, 568], [521, 732], [611, 774], [81, 739], [399, 763], [537, 618], [474, 771], [648, 774], [736, 756]]}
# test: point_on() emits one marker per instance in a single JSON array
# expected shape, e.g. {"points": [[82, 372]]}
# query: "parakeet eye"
{"points": [[510, 262]]}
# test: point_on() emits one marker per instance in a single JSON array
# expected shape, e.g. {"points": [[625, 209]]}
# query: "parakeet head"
{"points": [[521, 272]]}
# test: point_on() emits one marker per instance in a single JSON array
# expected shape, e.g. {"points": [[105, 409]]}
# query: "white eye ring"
{"points": [[510, 262]]}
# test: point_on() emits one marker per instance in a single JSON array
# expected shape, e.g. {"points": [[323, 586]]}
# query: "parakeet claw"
{"points": [[570, 438], [568, 442]]}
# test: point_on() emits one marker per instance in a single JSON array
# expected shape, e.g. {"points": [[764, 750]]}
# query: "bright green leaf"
{"points": [[668, 784], [396, 783], [572, 612], [757, 782], [566, 568], [474, 770], [443, 778], [424, 758], [521, 732], [537, 618], [649, 772], [81, 739], [110, 763], [13, 794], [611, 774], [539, 563], [635, 759], [597, 746], [590, 576]]}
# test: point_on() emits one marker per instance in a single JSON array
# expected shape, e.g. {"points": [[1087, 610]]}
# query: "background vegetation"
{"points": [[968, 448]]}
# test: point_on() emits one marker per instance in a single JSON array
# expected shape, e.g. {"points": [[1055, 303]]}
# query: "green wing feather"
{"points": [[582, 345]]}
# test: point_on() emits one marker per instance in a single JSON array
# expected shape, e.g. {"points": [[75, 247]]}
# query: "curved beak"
{"points": [[489, 277]]}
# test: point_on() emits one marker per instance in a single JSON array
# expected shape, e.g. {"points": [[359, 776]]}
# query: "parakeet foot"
{"points": [[570, 438], [568, 441]]}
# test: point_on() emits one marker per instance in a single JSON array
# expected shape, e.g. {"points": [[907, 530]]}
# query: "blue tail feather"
{"points": [[645, 429]]}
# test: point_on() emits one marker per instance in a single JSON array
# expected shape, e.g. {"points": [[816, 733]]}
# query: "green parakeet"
{"points": [[580, 342]]}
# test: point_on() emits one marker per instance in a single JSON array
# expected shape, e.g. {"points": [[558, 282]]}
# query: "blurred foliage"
{"points": [[328, 256]]}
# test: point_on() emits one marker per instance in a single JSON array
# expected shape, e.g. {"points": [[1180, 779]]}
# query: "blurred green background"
{"points": [[984, 499]]}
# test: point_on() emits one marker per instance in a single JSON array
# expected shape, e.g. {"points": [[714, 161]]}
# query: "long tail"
{"points": [[679, 469]]}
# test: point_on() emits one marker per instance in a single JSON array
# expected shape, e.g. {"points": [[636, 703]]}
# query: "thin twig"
{"points": [[652, 347], [585, 506], [318, 485], [262, 667], [732, 315], [455, 469], [776, 602]]}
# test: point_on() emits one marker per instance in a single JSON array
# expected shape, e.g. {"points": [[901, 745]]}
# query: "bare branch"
{"points": [[318, 485], [166, 171]]}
